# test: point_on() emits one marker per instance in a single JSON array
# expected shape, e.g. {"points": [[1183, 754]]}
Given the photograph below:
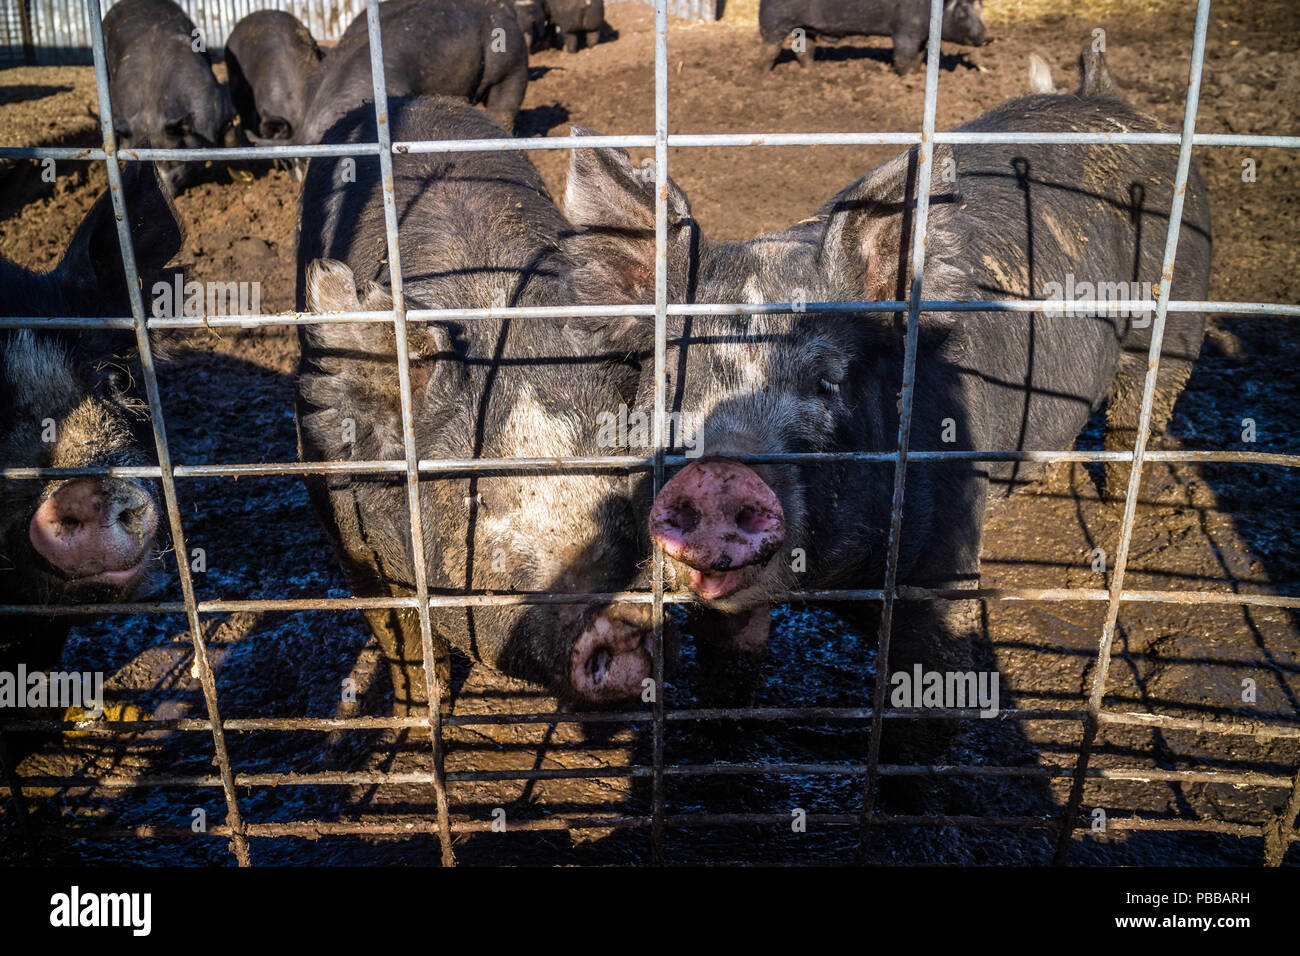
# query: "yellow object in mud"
{"points": [[112, 712]]}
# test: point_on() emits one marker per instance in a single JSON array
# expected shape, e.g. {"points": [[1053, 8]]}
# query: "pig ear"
{"points": [[91, 269], [376, 298], [627, 337], [612, 203], [605, 191], [1095, 79], [868, 238], [330, 286], [867, 245], [863, 244], [1040, 75]]}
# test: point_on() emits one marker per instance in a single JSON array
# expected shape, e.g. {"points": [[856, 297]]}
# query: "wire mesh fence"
{"points": [[1277, 831]]}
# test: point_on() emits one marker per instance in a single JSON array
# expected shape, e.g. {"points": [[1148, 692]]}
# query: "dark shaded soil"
{"points": [[227, 396]]}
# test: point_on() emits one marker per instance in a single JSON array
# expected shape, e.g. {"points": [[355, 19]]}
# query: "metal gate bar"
{"points": [[657, 421], [916, 270], [433, 684], [1102, 670], [1278, 832], [1245, 727], [239, 844]]}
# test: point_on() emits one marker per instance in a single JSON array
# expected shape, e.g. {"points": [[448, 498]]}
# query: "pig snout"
{"points": [[97, 532], [717, 517], [613, 655]]}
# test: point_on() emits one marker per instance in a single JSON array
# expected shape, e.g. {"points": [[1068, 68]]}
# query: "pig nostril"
{"points": [[751, 520], [132, 519], [598, 663], [685, 517]]}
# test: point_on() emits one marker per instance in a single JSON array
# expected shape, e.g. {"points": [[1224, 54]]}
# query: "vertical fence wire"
{"points": [[1283, 831], [239, 840], [1163, 295], [661, 348], [433, 683], [925, 157]]}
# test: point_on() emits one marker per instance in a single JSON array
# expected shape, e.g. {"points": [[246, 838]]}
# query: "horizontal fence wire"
{"points": [[904, 593], [405, 828], [1087, 306], [361, 778], [638, 141], [1245, 727], [1279, 832]]}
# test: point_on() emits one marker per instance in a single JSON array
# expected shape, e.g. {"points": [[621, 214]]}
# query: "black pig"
{"points": [[577, 22], [163, 90], [463, 48], [531, 15], [906, 21], [477, 230], [1006, 222], [65, 403], [270, 59]]}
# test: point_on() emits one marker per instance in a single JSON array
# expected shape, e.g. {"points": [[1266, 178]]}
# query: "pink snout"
{"points": [[614, 655], [717, 516], [96, 532]]}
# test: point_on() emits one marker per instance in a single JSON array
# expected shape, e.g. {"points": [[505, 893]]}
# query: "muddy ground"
{"points": [[227, 397]]}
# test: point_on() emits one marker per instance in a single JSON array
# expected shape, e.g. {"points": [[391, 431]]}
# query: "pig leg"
{"points": [[593, 37], [730, 649], [398, 631], [804, 52], [767, 58], [571, 42], [1124, 410], [938, 636], [504, 99], [907, 53]]}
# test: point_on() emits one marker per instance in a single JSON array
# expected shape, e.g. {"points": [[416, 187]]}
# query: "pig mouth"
{"points": [[714, 587], [730, 590], [111, 583], [113, 577]]}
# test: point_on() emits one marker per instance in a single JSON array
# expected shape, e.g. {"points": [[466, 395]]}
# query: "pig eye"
{"points": [[827, 387]]}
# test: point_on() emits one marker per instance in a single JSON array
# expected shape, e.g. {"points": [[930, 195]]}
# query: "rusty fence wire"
{"points": [[1277, 832]]}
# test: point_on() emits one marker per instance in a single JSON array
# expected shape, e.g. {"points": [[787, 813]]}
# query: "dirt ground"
{"points": [[1214, 528]]}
